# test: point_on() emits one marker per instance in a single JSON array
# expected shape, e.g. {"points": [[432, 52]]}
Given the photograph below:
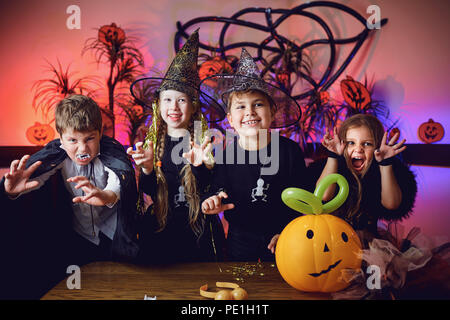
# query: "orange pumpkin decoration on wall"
{"points": [[393, 132], [213, 66], [284, 77], [430, 131], [110, 34], [138, 110], [314, 249], [324, 97], [355, 94], [40, 134]]}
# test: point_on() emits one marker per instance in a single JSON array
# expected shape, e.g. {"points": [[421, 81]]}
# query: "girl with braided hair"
{"points": [[173, 228]]}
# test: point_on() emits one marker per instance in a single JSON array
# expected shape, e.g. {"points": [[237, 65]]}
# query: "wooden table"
{"points": [[112, 280]]}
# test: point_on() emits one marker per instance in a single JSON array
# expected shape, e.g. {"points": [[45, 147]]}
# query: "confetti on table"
{"points": [[245, 270]]}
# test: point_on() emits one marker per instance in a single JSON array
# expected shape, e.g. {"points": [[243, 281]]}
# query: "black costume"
{"points": [[371, 209], [37, 238], [177, 241], [391, 251], [259, 212]]}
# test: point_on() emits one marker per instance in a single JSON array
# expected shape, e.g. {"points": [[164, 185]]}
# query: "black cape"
{"points": [[36, 233], [177, 241]]}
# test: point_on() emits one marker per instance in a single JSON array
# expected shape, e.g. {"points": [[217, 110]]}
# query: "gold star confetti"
{"points": [[245, 270]]}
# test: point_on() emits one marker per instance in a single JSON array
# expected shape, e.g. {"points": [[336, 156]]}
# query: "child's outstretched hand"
{"points": [[142, 158], [16, 180], [93, 195], [200, 154], [213, 205], [391, 149], [273, 243], [333, 143]]}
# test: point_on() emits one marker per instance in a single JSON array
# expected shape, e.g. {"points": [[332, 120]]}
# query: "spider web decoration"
{"points": [[284, 61]]}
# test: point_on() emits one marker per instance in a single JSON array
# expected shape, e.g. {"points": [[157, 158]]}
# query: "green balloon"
{"points": [[302, 201], [340, 198]]}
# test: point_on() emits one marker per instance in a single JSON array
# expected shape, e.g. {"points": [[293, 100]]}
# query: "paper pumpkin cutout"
{"points": [[430, 131], [392, 132], [40, 134], [284, 77], [111, 34], [324, 97], [138, 110], [213, 66], [355, 94]]}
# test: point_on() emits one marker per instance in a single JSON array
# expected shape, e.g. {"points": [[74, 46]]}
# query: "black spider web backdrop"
{"points": [[303, 62]]}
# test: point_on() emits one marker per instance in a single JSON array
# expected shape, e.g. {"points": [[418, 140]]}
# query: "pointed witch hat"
{"points": [[247, 77], [182, 75]]}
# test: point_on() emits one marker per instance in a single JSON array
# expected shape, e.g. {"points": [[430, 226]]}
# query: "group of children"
{"points": [[75, 200]]}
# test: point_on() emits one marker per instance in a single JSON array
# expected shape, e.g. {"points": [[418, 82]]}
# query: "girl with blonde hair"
{"points": [[174, 229]]}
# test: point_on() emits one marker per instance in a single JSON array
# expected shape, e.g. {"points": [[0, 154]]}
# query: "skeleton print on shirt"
{"points": [[258, 192], [180, 198]]}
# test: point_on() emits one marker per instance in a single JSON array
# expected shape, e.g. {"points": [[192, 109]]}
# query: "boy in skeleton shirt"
{"points": [[258, 165]]}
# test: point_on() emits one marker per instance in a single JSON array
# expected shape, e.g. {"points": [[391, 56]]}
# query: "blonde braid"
{"points": [[162, 196], [189, 182]]}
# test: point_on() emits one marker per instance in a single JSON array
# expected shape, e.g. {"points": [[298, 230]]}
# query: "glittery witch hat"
{"points": [[247, 77], [182, 75]]}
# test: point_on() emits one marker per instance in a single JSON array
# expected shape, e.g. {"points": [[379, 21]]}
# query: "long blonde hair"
{"points": [[376, 129], [161, 207]]}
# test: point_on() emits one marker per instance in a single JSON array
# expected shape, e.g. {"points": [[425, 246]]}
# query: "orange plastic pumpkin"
{"points": [[430, 131], [111, 34], [313, 249], [40, 134], [355, 93]]}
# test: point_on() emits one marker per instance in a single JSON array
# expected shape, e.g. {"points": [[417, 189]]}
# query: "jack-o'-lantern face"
{"points": [[431, 131], [355, 93], [393, 132], [312, 251], [324, 97], [111, 34], [211, 67], [283, 78], [138, 110], [40, 134]]}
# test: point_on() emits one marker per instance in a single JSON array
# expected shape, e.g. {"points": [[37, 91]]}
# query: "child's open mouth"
{"points": [[358, 163], [83, 157]]}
